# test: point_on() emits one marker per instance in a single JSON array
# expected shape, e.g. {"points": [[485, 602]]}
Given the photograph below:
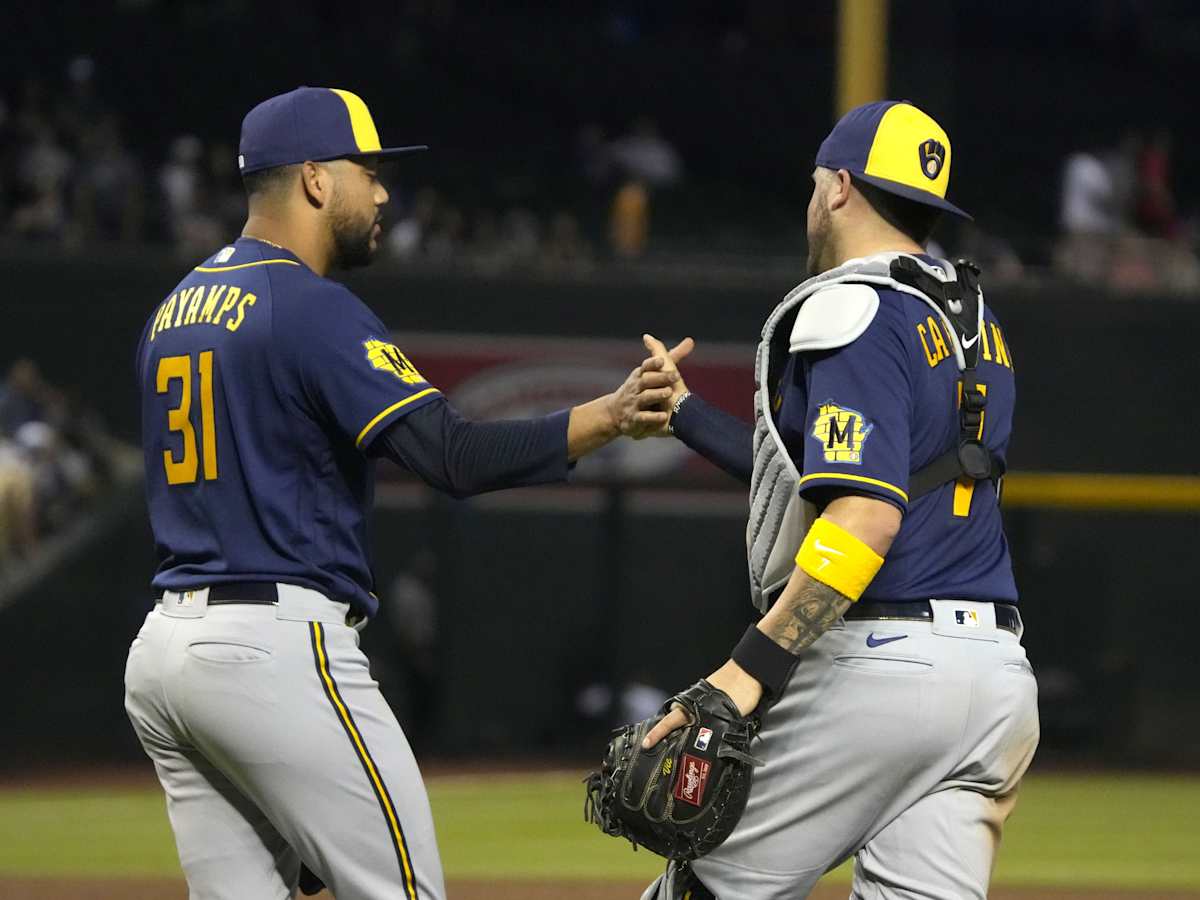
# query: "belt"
{"points": [[260, 593], [1007, 617], [263, 593]]}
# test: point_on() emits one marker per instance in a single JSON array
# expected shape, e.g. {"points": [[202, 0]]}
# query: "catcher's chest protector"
{"points": [[779, 516]]}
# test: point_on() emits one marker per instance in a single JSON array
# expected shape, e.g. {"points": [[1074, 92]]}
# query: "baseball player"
{"points": [[268, 391], [900, 710]]}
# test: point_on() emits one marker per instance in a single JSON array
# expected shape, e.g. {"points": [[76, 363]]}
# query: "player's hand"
{"points": [[735, 681], [636, 406], [669, 360], [661, 371], [641, 406]]}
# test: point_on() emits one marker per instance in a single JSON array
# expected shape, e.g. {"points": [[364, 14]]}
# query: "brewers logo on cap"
{"points": [[933, 157], [897, 148]]}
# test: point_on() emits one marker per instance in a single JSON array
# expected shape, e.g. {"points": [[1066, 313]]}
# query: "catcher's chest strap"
{"points": [[959, 302]]}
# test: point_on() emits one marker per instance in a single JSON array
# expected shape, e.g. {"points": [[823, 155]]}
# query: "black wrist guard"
{"points": [[765, 661]]}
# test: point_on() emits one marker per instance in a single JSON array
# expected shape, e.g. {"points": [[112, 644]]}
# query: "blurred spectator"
{"points": [[1088, 196], [646, 156], [1155, 204], [995, 256], [565, 249], [486, 248], [520, 234], [592, 152], [629, 221], [108, 191], [1122, 163], [18, 523], [1088, 217], [194, 229], [43, 170], [406, 239], [54, 455], [446, 236], [226, 200], [79, 111], [26, 397]]}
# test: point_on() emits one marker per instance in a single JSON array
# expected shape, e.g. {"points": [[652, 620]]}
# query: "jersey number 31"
{"points": [[179, 368]]}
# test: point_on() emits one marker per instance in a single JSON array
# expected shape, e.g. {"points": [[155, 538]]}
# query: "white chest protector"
{"points": [[825, 312]]}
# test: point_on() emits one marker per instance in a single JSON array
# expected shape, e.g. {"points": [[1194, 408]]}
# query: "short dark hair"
{"points": [[265, 182], [913, 219]]}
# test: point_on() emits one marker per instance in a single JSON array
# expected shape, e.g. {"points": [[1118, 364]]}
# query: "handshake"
{"points": [[641, 407]]}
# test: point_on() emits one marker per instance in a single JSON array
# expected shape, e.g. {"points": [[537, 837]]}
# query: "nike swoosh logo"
{"points": [[967, 345], [873, 641], [817, 543]]}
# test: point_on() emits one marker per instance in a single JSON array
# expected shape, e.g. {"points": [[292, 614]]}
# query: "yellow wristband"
{"points": [[835, 557]]}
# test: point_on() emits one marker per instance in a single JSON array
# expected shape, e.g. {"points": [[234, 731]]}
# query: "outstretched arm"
{"points": [[722, 439], [462, 458]]}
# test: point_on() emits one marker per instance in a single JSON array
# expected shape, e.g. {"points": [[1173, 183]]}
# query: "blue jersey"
{"points": [[867, 415], [262, 386]]}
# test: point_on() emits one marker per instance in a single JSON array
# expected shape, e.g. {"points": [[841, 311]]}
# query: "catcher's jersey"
{"points": [[866, 415], [262, 386]]}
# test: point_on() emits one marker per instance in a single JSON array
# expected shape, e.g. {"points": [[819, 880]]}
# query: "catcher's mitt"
{"points": [[682, 798]]}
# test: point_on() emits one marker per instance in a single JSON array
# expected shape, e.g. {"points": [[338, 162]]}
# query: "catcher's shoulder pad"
{"points": [[834, 317]]}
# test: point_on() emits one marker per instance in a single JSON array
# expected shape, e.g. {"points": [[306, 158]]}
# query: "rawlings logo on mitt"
{"points": [[684, 796]]}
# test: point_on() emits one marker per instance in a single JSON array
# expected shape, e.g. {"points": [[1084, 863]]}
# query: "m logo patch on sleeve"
{"points": [[842, 432], [389, 358]]}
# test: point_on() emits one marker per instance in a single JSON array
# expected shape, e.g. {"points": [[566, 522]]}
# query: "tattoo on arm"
{"points": [[814, 609]]}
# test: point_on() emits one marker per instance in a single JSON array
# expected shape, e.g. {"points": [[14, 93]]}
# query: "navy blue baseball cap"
{"points": [[896, 147], [310, 124]]}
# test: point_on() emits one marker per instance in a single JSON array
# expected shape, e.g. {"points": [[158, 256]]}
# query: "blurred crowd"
{"points": [[616, 180], [55, 456], [69, 177], [1121, 223]]}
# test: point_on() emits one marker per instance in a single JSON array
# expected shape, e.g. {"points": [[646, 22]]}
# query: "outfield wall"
{"points": [[543, 594]]}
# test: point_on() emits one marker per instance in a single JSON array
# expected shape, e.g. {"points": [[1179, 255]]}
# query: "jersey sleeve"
{"points": [[349, 370], [858, 416]]}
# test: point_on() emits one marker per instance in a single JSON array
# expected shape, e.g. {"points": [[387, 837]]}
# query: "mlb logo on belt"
{"points": [[703, 736], [692, 779], [967, 617]]}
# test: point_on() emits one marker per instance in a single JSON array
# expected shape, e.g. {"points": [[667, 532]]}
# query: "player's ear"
{"points": [[840, 186], [318, 183]]}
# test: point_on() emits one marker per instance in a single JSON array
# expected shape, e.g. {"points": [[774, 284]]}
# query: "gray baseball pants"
{"points": [[905, 755], [274, 746]]}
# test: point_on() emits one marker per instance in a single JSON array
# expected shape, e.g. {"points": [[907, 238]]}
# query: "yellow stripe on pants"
{"points": [[368, 764]]}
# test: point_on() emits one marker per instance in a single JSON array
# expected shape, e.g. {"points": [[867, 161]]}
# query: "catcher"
{"points": [[902, 710]]}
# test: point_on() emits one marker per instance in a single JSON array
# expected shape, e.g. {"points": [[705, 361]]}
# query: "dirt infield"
{"points": [[170, 889]]}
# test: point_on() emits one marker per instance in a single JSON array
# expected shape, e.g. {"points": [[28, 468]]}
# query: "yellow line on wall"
{"points": [[1076, 490]]}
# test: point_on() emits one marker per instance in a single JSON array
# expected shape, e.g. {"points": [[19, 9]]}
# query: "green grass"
{"points": [[1068, 830]]}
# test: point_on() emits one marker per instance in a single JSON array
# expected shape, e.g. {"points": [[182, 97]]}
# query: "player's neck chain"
{"points": [[255, 237]]}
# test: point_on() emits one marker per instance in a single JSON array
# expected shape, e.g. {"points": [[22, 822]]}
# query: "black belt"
{"points": [[261, 592], [1007, 617]]}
